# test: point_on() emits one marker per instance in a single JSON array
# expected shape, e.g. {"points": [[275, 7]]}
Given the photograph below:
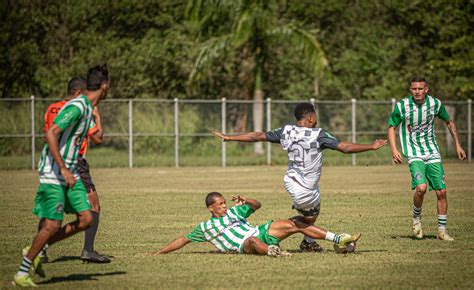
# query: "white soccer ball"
{"points": [[349, 248]]}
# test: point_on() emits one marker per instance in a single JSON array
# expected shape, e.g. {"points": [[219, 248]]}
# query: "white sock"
{"points": [[330, 236]]}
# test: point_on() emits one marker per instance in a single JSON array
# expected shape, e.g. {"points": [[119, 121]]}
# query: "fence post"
{"points": [[469, 130], [269, 127], [130, 133], [176, 132], [224, 144], [354, 132], [33, 134]]}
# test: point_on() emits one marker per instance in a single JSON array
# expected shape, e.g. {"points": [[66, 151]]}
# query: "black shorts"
{"points": [[309, 212], [83, 170]]}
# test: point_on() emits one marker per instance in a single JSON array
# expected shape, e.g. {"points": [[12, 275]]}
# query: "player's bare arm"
{"points": [[396, 156], [454, 133], [173, 246], [98, 135], [52, 139], [246, 137], [347, 147], [240, 200]]}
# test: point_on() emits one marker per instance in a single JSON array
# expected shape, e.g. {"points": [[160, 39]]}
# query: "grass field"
{"points": [[143, 209]]}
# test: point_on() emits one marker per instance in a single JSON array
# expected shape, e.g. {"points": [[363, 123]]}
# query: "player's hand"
{"points": [[68, 177], [461, 153], [379, 143], [397, 157], [239, 200], [220, 135]]}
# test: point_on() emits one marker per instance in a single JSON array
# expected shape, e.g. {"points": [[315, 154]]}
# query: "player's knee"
{"points": [[51, 227], [441, 194], [421, 189], [86, 220]]}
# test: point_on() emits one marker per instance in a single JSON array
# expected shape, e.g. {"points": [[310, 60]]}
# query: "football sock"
{"points": [[90, 233], [309, 240], [332, 237], [442, 221], [24, 267], [416, 212]]}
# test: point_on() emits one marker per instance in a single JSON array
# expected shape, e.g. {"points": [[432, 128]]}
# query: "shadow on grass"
{"points": [[411, 237], [70, 258], [81, 277]]}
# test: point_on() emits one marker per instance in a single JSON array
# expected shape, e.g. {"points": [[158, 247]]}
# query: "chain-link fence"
{"points": [[163, 132]]}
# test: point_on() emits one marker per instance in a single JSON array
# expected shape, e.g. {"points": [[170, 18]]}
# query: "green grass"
{"points": [[144, 208]]}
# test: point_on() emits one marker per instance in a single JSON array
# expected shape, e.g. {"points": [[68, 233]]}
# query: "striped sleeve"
{"points": [[67, 116], [197, 235], [442, 113], [244, 210]]}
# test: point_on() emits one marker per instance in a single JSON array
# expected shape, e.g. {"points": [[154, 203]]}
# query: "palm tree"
{"points": [[256, 25]]}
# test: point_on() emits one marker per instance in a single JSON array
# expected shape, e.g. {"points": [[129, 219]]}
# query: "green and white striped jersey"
{"points": [[226, 233], [417, 132], [74, 119]]}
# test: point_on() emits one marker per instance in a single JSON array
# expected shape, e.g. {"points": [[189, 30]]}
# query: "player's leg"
{"points": [[435, 175], [88, 253], [308, 217], [419, 183], [255, 246], [282, 229]]}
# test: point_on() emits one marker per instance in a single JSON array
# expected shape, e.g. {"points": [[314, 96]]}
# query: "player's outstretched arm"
{"points": [[396, 156], [52, 139], [347, 147], [246, 137], [174, 245], [454, 133]]}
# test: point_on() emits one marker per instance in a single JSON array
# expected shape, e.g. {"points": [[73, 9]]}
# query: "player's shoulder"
{"points": [[434, 99]]}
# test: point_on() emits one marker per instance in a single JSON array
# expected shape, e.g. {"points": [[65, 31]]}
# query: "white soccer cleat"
{"points": [[444, 236], [417, 230]]}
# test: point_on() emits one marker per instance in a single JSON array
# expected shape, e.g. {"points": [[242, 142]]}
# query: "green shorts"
{"points": [[265, 237], [431, 173], [53, 200]]}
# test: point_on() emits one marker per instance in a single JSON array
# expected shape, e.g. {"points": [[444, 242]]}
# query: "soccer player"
{"points": [[76, 87], [61, 189], [304, 144], [416, 114], [230, 232]]}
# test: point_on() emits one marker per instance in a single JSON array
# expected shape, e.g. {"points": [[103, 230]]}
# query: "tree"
{"points": [[253, 28]]}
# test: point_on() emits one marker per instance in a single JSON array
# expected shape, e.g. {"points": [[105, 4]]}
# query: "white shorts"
{"points": [[303, 198]]}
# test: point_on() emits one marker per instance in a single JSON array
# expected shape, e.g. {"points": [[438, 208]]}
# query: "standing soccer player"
{"points": [[76, 87], [304, 144], [61, 189], [416, 114]]}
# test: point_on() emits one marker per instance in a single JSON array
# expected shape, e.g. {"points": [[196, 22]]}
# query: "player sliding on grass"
{"points": [[229, 231], [60, 188], [304, 144]]}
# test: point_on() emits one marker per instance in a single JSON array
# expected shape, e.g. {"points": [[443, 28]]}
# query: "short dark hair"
{"points": [[418, 79], [96, 76], [302, 109], [211, 197], [76, 84]]}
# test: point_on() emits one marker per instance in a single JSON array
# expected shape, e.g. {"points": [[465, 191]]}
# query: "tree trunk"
{"points": [[258, 104]]}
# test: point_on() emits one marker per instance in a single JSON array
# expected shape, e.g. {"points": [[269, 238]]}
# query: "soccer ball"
{"points": [[350, 248]]}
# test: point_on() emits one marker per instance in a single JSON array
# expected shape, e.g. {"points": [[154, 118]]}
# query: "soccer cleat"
{"points": [[306, 246], [37, 262], [24, 281], [417, 230], [346, 239], [443, 235], [94, 257], [275, 251]]}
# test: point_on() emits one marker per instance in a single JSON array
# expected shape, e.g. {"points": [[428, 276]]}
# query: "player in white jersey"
{"points": [[304, 144], [60, 188], [230, 232], [416, 115]]}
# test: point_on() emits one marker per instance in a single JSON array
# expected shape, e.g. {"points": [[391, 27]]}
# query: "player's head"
{"points": [[216, 204], [76, 86], [418, 88], [98, 79], [305, 115]]}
